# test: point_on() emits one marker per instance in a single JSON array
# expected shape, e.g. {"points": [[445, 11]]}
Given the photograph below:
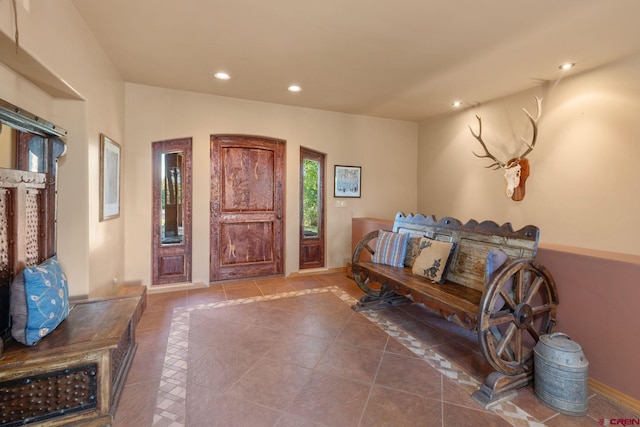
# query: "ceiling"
{"points": [[403, 59]]}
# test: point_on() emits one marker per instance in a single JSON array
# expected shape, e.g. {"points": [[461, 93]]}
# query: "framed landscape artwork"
{"points": [[348, 182], [109, 178]]}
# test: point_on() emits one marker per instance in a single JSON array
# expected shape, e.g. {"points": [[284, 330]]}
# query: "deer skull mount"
{"points": [[516, 170]]}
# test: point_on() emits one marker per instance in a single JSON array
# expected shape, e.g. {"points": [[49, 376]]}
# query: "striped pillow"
{"points": [[391, 248]]}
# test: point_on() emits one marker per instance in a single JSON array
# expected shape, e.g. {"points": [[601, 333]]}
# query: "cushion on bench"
{"points": [[433, 259], [413, 249], [39, 301], [390, 248], [496, 259]]}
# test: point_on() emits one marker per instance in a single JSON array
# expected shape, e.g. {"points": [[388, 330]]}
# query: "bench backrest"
{"points": [[473, 242]]}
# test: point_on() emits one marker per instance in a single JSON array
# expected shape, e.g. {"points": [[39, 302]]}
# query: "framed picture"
{"points": [[109, 178], [347, 181]]}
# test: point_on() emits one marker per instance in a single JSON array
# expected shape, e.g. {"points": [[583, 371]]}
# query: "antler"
{"points": [[497, 164], [534, 123]]}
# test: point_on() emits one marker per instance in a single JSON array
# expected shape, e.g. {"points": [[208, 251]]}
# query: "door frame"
{"points": [[177, 257], [312, 249]]}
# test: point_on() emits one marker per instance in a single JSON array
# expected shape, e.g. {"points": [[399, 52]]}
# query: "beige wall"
{"points": [[584, 177], [384, 148], [55, 36]]}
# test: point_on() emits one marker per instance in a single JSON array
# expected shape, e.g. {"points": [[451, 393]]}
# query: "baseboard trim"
{"points": [[172, 287], [316, 271], [615, 396]]}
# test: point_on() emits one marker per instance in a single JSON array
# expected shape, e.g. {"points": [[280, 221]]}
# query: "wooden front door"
{"points": [[247, 207]]}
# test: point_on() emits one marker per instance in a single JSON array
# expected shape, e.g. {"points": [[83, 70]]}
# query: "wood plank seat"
{"points": [[509, 310], [463, 301]]}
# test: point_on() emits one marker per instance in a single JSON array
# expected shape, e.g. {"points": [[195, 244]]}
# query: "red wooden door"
{"points": [[247, 205]]}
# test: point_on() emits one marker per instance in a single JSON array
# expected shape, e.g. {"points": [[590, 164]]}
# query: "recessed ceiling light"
{"points": [[294, 88], [222, 76], [567, 66], [456, 103]]}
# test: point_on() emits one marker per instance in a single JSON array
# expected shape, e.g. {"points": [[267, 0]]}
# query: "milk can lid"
{"points": [[561, 341]]}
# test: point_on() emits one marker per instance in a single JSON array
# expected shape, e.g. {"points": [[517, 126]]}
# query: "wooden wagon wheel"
{"points": [[518, 305], [362, 278]]}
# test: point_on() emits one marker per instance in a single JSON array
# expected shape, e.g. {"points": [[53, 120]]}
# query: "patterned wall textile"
{"points": [[4, 230], [33, 228], [20, 203], [5, 267]]}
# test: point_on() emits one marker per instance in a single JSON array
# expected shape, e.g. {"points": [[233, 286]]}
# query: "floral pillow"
{"points": [[413, 249], [390, 248], [433, 259], [39, 301]]}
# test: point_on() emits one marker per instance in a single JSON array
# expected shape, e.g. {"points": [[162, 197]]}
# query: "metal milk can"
{"points": [[560, 373]]}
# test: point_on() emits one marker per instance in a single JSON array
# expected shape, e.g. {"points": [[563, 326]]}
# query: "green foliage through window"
{"points": [[310, 195]]}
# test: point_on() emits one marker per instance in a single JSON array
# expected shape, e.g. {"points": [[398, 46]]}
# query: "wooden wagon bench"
{"points": [[509, 305]]}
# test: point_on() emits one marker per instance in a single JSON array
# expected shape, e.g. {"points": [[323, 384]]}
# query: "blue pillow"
{"points": [[39, 301], [495, 259], [391, 248]]}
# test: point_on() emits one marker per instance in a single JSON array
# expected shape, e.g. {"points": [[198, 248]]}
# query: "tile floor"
{"points": [[291, 352]]}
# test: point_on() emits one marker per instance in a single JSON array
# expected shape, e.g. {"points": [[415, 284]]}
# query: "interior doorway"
{"points": [[247, 207], [311, 209]]}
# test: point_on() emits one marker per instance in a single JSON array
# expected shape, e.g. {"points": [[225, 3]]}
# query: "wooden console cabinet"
{"points": [[73, 376]]}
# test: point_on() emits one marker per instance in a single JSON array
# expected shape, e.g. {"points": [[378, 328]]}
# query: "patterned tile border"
{"points": [[507, 410], [171, 397]]}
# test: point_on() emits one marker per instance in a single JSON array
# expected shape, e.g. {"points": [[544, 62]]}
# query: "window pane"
{"points": [[311, 185]]}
